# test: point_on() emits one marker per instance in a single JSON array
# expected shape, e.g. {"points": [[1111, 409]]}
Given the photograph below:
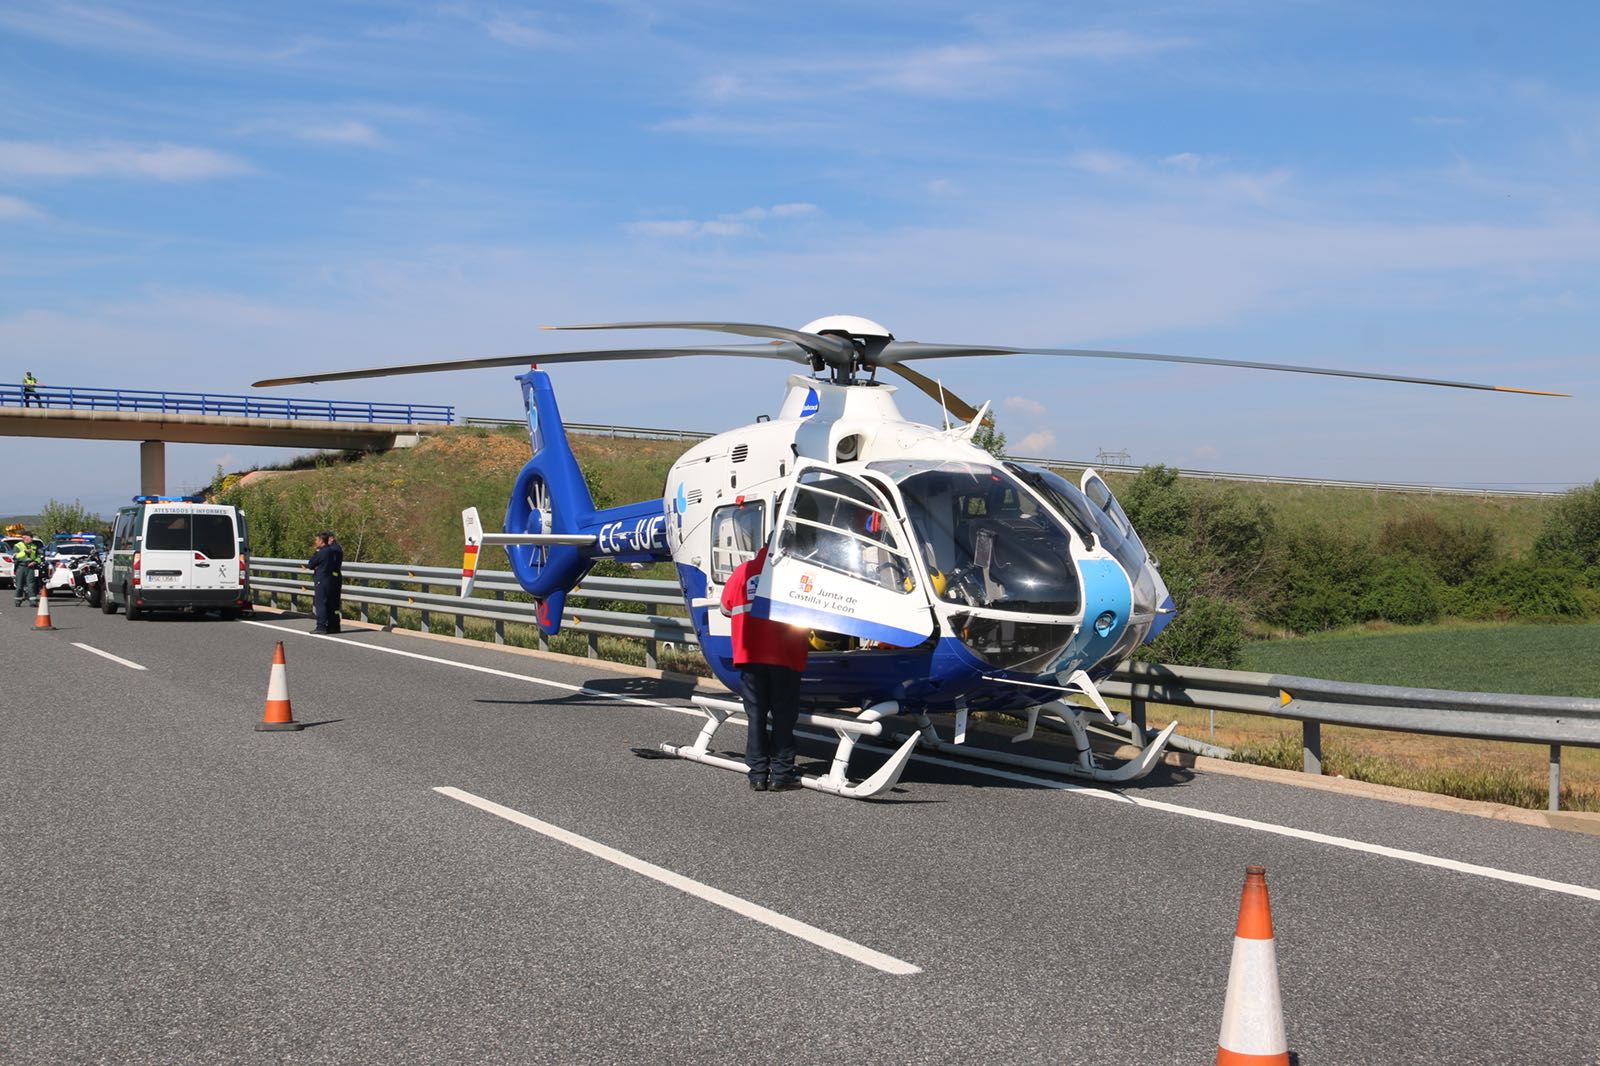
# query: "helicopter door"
{"points": [[1131, 551], [840, 561]]}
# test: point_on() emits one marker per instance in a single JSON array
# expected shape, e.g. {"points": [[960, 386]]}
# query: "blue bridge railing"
{"points": [[201, 403]]}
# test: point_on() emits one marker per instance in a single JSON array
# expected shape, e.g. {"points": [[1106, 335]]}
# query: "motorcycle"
{"points": [[82, 577]]}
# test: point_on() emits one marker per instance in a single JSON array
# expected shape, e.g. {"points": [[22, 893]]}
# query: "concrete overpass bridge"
{"points": [[156, 418]]}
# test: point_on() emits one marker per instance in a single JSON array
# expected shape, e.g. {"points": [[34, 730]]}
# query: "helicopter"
{"points": [[932, 577]]}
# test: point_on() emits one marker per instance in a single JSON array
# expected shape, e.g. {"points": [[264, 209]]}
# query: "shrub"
{"points": [[1320, 578], [1454, 552], [1207, 632], [1571, 533], [1157, 505], [1404, 591], [1521, 589]]}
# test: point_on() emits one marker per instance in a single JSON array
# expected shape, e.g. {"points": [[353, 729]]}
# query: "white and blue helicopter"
{"points": [[933, 577]]}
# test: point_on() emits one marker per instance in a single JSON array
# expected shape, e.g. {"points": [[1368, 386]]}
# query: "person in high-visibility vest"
{"points": [[30, 390], [25, 574]]}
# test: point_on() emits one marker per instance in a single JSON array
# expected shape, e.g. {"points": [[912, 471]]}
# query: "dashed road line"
{"points": [[1085, 791], [107, 655], [743, 907]]}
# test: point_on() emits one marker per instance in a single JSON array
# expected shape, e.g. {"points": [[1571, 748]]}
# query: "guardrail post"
{"points": [[394, 612], [427, 622], [1136, 711], [544, 641], [650, 653], [1555, 777], [461, 628], [361, 610], [499, 623], [1311, 743], [594, 646]]}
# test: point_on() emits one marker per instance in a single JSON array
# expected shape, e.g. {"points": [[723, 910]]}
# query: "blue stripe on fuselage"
{"points": [[1105, 588]]}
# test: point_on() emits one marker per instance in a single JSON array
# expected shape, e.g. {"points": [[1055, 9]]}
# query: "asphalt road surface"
{"points": [[176, 887]]}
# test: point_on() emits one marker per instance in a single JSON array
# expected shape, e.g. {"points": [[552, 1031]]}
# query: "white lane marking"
{"points": [[108, 655], [754, 911], [1086, 791]]}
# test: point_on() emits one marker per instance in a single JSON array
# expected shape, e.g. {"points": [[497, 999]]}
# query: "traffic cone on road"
{"points": [[42, 619], [279, 715], [1252, 1015]]}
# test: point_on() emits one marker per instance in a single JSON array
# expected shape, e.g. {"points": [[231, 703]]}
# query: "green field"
{"points": [[1551, 660]]}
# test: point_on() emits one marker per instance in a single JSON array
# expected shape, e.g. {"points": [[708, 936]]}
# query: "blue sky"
{"points": [[196, 195]]}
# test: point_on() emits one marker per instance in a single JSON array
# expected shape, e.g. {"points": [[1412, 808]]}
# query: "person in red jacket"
{"points": [[770, 657]]}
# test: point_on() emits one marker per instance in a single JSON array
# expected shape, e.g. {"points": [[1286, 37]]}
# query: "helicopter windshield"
{"points": [[986, 541], [1122, 543]]}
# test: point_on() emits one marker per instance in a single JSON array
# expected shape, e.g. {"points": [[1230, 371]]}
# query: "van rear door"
{"points": [[190, 548], [165, 554], [215, 542]]}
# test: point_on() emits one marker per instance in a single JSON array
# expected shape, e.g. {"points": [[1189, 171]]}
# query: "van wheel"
{"points": [[134, 611], [108, 602]]}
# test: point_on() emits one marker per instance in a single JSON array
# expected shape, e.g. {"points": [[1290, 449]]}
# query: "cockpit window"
{"points": [[985, 539], [1106, 518], [840, 524]]}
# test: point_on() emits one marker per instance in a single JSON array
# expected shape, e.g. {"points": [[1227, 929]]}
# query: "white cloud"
{"points": [[1022, 403], [1036, 443], [162, 162], [520, 33], [1100, 162], [12, 208], [347, 132], [728, 225]]}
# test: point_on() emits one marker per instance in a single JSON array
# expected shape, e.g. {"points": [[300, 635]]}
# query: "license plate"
{"points": [[89, 579], [157, 579]]}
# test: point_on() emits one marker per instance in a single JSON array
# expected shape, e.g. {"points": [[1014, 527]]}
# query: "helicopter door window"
{"points": [[840, 524], [737, 533]]}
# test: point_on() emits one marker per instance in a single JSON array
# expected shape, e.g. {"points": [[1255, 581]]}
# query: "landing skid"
{"points": [[1085, 764], [835, 782]]}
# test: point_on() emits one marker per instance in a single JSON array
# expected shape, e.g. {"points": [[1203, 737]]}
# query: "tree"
{"points": [[990, 439], [57, 517], [1571, 534]]}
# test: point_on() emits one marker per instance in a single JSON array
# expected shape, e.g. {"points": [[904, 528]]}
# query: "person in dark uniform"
{"points": [[327, 581]]}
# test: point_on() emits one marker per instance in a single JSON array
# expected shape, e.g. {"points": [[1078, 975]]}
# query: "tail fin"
{"points": [[473, 534]]}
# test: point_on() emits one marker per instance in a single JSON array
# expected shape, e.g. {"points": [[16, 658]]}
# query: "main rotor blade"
{"points": [[787, 352], [811, 342], [898, 351], [937, 393]]}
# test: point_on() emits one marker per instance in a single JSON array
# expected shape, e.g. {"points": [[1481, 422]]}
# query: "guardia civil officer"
{"points": [[30, 390], [771, 657], [25, 573], [327, 581]]}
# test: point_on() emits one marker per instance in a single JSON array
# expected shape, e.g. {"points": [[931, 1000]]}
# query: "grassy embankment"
{"points": [[403, 506]]}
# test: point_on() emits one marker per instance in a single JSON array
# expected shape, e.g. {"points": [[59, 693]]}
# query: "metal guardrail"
{"points": [[394, 588], [1551, 720], [201, 403]]}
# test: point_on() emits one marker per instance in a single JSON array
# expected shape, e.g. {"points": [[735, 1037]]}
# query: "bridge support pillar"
{"points": [[153, 468]]}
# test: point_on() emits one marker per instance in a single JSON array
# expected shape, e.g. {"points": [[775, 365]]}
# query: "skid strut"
{"points": [[867, 723], [1074, 717]]}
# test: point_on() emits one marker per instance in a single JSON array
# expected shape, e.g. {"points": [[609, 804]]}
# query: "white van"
{"points": [[177, 553]]}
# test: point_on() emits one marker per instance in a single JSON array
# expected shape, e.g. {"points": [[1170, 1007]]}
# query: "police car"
{"points": [[68, 546]]}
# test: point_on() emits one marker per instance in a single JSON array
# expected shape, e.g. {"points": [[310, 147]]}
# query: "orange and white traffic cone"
{"points": [[279, 715], [42, 619], [1252, 1015]]}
